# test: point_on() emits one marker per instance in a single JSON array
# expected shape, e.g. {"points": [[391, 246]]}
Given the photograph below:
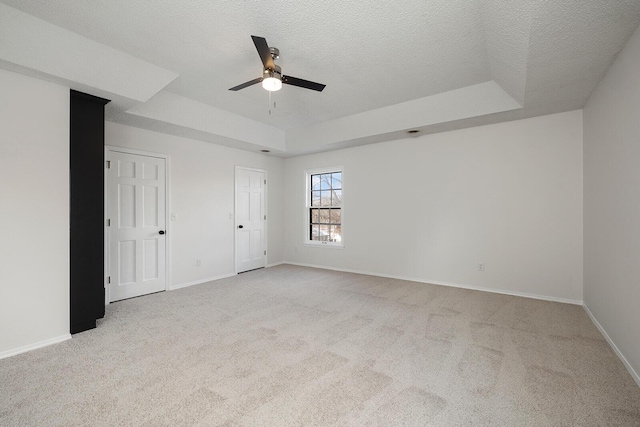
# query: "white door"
{"points": [[136, 225], [250, 219]]}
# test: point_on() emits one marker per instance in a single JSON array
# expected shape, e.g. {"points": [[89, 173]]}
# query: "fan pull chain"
{"points": [[274, 103]]}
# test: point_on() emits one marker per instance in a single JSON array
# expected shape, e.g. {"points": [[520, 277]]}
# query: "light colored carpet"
{"points": [[293, 346]]}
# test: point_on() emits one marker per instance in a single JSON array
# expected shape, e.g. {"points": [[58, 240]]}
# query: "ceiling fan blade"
{"points": [[263, 51], [247, 84], [294, 81]]}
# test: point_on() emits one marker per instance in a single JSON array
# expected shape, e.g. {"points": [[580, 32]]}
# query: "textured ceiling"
{"points": [[168, 65]]}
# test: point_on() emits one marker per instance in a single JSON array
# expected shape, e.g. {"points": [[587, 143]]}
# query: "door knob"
{"points": [[241, 226], [161, 231]]}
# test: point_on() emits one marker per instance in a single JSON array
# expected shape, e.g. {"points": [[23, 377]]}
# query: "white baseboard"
{"points": [[274, 264], [453, 285], [200, 281], [615, 348], [39, 344]]}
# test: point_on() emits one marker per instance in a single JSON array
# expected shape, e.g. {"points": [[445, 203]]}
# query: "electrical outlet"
{"points": [[198, 263], [481, 266]]}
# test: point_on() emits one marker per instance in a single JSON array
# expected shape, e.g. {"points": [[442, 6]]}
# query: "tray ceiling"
{"points": [[433, 66]]}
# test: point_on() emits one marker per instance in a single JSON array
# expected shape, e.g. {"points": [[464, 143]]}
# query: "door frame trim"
{"points": [[235, 213], [167, 214]]}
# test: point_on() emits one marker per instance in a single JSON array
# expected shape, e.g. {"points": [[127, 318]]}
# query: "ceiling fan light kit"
{"points": [[272, 84], [272, 78]]}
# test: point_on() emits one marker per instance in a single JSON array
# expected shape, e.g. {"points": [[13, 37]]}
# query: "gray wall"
{"points": [[431, 208], [612, 203], [34, 212]]}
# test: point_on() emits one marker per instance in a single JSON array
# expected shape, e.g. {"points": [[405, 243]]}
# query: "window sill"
{"points": [[323, 245]]}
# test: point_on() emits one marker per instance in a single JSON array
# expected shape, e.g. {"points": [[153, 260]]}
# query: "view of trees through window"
{"points": [[326, 207]]}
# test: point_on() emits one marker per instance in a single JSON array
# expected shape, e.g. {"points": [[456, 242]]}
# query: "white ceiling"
{"points": [[432, 65]]}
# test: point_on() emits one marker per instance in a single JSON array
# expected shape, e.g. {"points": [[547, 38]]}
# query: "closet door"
{"points": [[86, 151]]}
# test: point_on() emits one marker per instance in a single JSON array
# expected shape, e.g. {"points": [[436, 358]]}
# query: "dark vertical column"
{"points": [[87, 210]]}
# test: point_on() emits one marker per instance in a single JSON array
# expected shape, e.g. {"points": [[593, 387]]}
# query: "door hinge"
{"points": [[265, 217], [108, 164], [108, 279], [265, 252], [108, 223], [265, 182]]}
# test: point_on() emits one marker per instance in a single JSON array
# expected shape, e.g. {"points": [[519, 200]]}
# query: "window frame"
{"points": [[308, 207]]}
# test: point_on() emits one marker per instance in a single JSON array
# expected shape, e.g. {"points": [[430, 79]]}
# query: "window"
{"points": [[324, 207]]}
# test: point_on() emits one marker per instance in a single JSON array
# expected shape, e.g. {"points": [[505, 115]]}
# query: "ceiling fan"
{"points": [[272, 78]]}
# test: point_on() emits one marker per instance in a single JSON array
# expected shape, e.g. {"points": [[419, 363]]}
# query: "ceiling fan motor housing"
{"points": [[275, 73]]}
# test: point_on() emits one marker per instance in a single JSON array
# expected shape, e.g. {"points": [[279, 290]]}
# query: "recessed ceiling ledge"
{"points": [[186, 113], [471, 101], [34, 44]]}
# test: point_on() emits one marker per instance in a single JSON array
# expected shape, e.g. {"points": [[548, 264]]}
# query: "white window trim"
{"points": [[307, 180]]}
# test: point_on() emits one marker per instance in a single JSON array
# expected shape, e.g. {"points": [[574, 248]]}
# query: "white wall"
{"points": [[34, 213], [612, 204], [202, 197], [431, 208]]}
